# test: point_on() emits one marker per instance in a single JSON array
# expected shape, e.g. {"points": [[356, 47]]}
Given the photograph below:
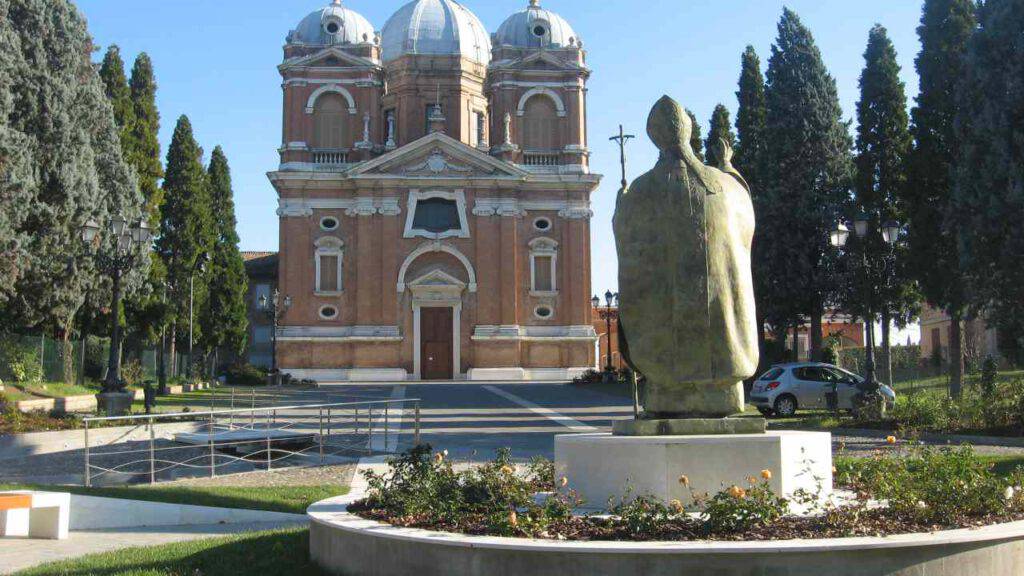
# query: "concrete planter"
{"points": [[343, 543]]}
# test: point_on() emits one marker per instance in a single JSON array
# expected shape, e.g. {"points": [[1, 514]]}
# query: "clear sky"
{"points": [[216, 62]]}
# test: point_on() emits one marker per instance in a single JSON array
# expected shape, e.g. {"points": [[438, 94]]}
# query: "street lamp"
{"points": [[890, 233], [275, 309], [200, 266], [119, 255], [608, 314]]}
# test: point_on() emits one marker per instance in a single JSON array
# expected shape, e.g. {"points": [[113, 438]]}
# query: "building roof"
{"points": [[438, 27], [536, 27], [333, 24], [260, 264]]}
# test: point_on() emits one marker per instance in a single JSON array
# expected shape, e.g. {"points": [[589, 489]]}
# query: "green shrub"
{"points": [[643, 516], [133, 374], [989, 372], [541, 474], [737, 509], [245, 375], [20, 362], [922, 410]]}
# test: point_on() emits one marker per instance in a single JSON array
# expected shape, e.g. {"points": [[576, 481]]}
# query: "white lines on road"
{"points": [[570, 423]]}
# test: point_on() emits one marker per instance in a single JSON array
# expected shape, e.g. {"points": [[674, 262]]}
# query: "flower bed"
{"points": [[924, 491]]}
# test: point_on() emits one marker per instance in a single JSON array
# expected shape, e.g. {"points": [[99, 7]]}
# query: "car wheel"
{"points": [[785, 406], [766, 412]]}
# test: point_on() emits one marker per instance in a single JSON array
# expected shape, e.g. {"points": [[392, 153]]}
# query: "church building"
{"points": [[434, 190]]}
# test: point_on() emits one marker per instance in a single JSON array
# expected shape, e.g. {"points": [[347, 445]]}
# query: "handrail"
{"points": [[243, 410]]}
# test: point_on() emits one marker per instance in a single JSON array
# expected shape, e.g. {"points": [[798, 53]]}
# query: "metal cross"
{"points": [[622, 139]]}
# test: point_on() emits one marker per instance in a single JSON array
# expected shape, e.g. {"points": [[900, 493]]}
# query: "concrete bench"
{"points": [[28, 514]]}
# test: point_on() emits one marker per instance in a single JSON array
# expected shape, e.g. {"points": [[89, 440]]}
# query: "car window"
{"points": [[771, 374], [809, 374], [844, 376]]}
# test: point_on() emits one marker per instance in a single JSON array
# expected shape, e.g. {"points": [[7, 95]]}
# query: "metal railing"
{"points": [[191, 444]]}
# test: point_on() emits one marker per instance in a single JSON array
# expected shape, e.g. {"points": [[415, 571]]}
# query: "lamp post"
{"points": [[607, 314], [275, 309], [200, 266], [121, 253], [864, 230]]}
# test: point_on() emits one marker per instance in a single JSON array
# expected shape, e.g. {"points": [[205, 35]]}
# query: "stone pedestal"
{"points": [[114, 403], [603, 466]]}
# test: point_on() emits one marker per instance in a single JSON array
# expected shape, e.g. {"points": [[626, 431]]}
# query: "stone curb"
{"points": [[953, 439]]}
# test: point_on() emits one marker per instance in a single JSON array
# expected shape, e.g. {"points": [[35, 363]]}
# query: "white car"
{"points": [[786, 388]]}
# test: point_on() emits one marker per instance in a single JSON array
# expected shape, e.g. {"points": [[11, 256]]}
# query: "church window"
{"points": [[328, 224], [329, 267], [479, 136], [543, 265], [333, 27], [328, 312], [542, 224], [543, 312], [436, 214], [331, 119], [540, 124]]}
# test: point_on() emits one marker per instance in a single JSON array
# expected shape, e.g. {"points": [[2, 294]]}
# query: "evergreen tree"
{"points": [[989, 185], [69, 167], [749, 160], [696, 142], [145, 149], [883, 145], [946, 26], [808, 169], [721, 128], [115, 85], [226, 320], [186, 225]]}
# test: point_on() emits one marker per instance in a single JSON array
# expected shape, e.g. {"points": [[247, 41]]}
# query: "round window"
{"points": [[540, 31], [329, 224], [543, 312], [332, 27], [328, 312], [542, 224]]}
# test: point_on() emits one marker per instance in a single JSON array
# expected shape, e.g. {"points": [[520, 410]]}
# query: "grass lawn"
{"points": [[292, 499], [1003, 465], [13, 394], [942, 382], [275, 553]]}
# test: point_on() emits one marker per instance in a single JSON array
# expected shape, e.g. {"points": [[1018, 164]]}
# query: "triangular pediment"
{"points": [[438, 156], [331, 57], [544, 61], [436, 278]]}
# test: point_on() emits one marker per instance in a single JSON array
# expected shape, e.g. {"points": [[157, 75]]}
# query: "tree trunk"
{"points": [[67, 355], [816, 336], [887, 347], [762, 340], [956, 354], [174, 349]]}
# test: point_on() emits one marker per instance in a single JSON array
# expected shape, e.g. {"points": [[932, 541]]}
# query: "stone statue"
{"points": [[684, 233]]}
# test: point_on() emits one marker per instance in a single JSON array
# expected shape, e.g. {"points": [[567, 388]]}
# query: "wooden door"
{"points": [[437, 329]]}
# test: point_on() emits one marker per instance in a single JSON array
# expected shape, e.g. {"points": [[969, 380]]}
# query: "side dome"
{"points": [[334, 24], [435, 27], [536, 27]]}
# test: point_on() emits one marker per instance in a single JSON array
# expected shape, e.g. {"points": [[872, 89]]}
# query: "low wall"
{"points": [[22, 445], [87, 402], [343, 543], [95, 513]]}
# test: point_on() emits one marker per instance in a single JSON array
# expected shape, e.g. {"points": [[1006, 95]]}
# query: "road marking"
{"points": [[378, 443], [570, 423]]}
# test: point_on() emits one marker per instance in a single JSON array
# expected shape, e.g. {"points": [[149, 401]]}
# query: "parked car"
{"points": [[786, 388]]}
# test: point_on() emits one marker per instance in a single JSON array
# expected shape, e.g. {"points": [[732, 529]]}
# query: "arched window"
{"points": [[540, 124], [331, 129]]}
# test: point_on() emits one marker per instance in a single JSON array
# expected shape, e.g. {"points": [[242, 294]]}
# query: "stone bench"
{"points": [[27, 514]]}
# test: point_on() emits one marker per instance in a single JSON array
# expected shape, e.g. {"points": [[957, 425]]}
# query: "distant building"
{"points": [[434, 189], [261, 268], [842, 327], [980, 340]]}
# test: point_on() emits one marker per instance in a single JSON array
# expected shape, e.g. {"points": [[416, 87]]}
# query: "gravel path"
{"points": [[318, 476]]}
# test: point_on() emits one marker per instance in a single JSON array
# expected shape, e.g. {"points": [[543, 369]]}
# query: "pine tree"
{"points": [[186, 224], [696, 142], [808, 171], [883, 146], [145, 153], [988, 190], [946, 26], [749, 160], [721, 128], [226, 320], [115, 84]]}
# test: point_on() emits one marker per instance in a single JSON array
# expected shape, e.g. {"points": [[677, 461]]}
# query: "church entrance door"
{"points": [[437, 339]]}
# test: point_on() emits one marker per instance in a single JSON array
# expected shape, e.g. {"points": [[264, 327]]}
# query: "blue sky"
{"points": [[216, 62]]}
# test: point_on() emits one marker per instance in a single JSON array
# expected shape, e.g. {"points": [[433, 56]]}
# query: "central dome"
{"points": [[435, 27]]}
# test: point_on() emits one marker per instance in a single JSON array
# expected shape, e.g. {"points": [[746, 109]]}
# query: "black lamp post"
{"points": [[275, 309], [890, 233], [119, 255], [200, 266], [607, 314]]}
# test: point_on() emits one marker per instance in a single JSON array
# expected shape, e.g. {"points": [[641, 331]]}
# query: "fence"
{"points": [[190, 444]]}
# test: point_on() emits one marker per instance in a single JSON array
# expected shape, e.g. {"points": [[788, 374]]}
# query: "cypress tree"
{"points": [[749, 160], [989, 185], [226, 317], [115, 85], [946, 26], [883, 146], [145, 153], [696, 142], [186, 224], [721, 128], [808, 168]]}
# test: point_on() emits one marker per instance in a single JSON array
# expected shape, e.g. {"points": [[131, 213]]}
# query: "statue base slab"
{"points": [[690, 427], [600, 467]]}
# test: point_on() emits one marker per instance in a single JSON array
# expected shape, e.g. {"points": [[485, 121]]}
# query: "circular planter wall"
{"points": [[343, 543]]}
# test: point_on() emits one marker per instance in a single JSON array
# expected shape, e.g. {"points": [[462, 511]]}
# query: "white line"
{"points": [[570, 423]]}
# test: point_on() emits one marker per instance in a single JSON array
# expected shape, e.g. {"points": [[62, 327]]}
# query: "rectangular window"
{"points": [[261, 295], [328, 274], [542, 274]]}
